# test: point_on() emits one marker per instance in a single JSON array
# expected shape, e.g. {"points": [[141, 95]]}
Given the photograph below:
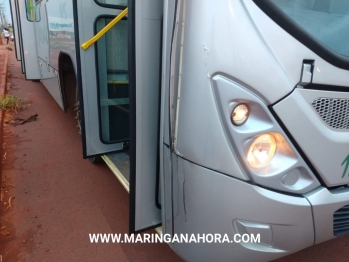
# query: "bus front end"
{"points": [[260, 126]]}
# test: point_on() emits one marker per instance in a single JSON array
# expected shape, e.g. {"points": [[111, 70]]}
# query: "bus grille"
{"points": [[334, 111], [341, 221]]}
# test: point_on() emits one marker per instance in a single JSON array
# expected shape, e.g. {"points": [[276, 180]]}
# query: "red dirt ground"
{"points": [[58, 198]]}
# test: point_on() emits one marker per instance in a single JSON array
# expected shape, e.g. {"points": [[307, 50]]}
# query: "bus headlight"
{"points": [[261, 151], [267, 156]]}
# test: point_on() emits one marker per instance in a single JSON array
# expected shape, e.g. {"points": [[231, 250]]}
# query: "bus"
{"points": [[220, 117]]}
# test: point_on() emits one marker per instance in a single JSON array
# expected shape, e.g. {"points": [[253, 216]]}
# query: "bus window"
{"points": [[326, 21], [32, 11], [117, 3], [112, 63]]}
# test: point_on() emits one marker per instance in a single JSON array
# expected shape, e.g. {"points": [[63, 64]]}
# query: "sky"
{"points": [[7, 10]]}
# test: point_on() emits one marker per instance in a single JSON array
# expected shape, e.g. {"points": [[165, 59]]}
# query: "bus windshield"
{"points": [[325, 20]]}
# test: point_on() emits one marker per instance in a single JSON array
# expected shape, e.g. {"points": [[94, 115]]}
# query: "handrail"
{"points": [[94, 39], [31, 10]]}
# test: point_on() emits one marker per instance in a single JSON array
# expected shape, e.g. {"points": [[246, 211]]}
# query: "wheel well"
{"points": [[67, 80]]}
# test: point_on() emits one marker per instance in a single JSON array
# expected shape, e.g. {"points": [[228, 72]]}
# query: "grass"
{"points": [[11, 103]]}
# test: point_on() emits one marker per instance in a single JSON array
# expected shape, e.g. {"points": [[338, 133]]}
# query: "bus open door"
{"points": [[15, 27], [120, 102], [26, 15]]}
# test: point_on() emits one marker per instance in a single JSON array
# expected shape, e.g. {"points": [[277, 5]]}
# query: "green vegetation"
{"points": [[9, 48], [11, 103]]}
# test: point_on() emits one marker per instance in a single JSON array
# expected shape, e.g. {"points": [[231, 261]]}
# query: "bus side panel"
{"points": [[15, 30], [28, 38], [49, 75], [51, 82], [41, 29], [61, 35], [20, 41]]}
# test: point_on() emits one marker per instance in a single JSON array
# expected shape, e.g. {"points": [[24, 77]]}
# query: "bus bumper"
{"points": [[209, 203], [330, 211]]}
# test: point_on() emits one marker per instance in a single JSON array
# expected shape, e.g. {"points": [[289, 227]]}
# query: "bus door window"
{"points": [[33, 13], [112, 67], [116, 3]]}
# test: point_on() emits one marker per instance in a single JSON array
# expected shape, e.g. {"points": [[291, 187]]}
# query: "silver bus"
{"points": [[218, 116]]}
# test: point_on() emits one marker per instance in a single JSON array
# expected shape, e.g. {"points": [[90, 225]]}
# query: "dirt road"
{"points": [[57, 198]]}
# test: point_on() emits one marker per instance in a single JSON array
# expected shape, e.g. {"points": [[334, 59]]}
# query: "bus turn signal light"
{"points": [[240, 114]]}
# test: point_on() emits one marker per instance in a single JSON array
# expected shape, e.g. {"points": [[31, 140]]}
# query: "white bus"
{"points": [[218, 116]]}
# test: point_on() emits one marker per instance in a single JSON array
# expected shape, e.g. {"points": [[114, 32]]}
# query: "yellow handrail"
{"points": [[31, 10], [88, 43]]}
